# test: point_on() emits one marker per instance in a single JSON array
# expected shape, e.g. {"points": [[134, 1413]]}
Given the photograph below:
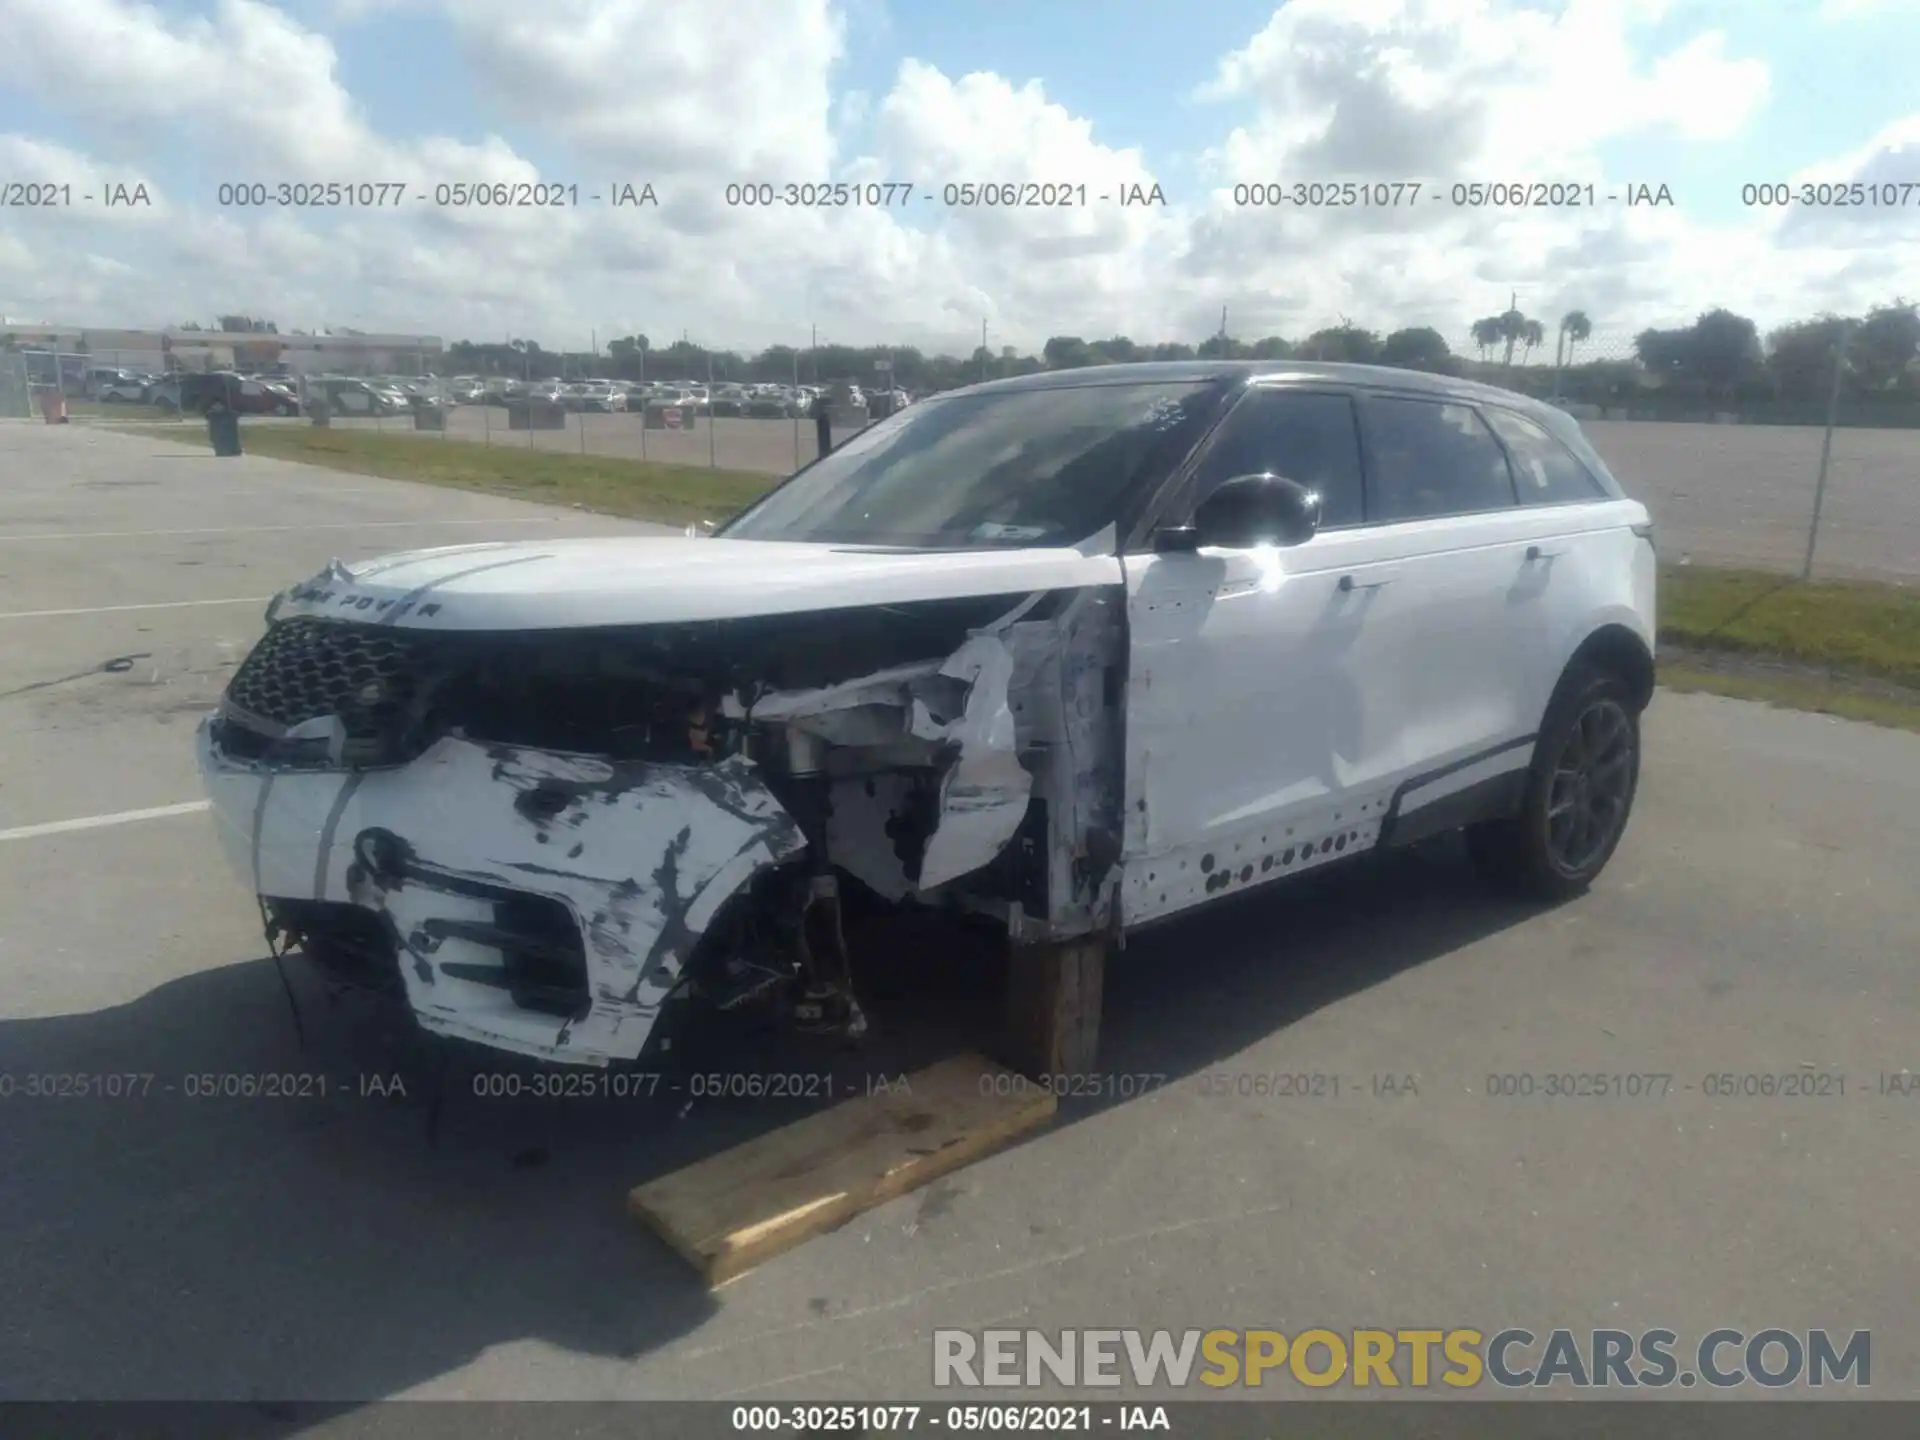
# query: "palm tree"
{"points": [[1513, 327], [1486, 334], [1574, 328], [1532, 333]]}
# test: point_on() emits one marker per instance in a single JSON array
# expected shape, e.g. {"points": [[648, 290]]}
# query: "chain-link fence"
{"points": [[728, 408], [1799, 454]]}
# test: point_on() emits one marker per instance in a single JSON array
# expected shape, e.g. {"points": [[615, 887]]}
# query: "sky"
{"points": [[1182, 106]]}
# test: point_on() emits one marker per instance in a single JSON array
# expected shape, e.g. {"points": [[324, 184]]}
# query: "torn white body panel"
{"points": [[984, 793], [965, 726], [640, 855]]}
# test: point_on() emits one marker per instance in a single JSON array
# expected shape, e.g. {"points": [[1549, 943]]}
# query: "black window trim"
{"points": [[1599, 493], [1174, 498], [1470, 403]]}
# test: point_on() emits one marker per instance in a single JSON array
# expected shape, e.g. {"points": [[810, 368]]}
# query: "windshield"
{"points": [[1007, 468]]}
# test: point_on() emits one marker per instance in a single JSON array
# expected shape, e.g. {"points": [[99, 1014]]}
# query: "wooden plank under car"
{"points": [[732, 1211]]}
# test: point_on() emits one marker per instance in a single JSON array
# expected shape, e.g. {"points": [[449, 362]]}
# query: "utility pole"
{"points": [[1826, 447]]}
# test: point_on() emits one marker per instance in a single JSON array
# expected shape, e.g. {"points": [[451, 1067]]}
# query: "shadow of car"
{"points": [[268, 1212]]}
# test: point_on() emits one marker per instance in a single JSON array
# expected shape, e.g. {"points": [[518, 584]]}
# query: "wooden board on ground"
{"points": [[732, 1211]]}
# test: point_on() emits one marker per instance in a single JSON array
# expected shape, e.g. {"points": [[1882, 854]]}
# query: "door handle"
{"points": [[1534, 552], [1349, 582]]}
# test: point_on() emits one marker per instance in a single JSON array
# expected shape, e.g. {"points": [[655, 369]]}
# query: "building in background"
{"points": [[303, 354], [157, 351]]}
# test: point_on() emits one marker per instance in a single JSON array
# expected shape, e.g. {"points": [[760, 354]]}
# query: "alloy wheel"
{"points": [[1592, 787]]}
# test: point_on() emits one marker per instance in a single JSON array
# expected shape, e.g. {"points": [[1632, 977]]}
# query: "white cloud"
{"points": [[665, 90], [1434, 90], [1837, 10]]}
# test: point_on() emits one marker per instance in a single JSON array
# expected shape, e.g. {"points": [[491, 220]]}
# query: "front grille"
{"points": [[306, 669]]}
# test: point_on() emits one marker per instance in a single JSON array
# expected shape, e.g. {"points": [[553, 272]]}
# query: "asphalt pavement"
{"points": [[179, 1240]]}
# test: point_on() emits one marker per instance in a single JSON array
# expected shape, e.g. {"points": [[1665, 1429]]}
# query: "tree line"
{"points": [[1720, 360]]}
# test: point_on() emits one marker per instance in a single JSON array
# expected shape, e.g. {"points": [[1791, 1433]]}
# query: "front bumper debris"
{"points": [[641, 855]]}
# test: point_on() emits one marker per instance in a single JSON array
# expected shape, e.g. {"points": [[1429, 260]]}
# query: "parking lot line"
{"points": [[95, 822], [259, 529], [110, 609]]}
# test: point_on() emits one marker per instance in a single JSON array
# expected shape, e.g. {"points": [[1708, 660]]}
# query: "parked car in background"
{"points": [[351, 397], [193, 393], [603, 397], [117, 386], [669, 398]]}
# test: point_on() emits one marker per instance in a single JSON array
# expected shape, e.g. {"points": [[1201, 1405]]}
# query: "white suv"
{"points": [[1075, 651]]}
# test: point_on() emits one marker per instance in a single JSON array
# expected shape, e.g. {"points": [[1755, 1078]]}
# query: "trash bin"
{"points": [[321, 411], [529, 415], [53, 406], [223, 429], [430, 417]]}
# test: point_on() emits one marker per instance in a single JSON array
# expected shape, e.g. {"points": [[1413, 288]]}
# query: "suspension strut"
{"points": [[827, 1005]]}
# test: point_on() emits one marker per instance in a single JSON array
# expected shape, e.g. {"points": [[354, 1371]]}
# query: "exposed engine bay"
{"points": [[543, 837]]}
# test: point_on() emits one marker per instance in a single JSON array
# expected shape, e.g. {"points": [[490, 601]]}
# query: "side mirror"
{"points": [[1262, 509]]}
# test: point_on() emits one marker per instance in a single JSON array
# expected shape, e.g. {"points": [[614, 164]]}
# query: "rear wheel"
{"points": [[1580, 791]]}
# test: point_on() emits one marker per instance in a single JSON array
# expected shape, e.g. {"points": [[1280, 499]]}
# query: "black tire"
{"points": [[1579, 795]]}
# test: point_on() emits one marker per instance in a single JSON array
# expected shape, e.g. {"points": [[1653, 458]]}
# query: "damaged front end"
{"points": [[542, 838]]}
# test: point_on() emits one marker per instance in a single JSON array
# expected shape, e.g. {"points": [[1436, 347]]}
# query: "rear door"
{"points": [[1579, 549], [1485, 649]]}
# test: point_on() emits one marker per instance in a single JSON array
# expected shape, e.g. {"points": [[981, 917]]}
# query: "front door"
{"points": [[1267, 688]]}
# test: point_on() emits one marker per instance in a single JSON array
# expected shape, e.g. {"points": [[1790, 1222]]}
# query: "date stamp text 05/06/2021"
{"points": [[1276, 194], [570, 1083]]}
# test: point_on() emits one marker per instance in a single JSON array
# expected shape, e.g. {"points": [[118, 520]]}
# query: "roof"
{"points": [[1175, 372]]}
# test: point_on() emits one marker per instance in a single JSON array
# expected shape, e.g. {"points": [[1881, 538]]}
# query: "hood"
{"points": [[646, 579]]}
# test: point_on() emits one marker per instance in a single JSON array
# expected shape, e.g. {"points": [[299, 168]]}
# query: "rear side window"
{"points": [[1544, 470], [1428, 458], [1308, 436]]}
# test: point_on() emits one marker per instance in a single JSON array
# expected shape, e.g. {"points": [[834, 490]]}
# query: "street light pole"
{"points": [[1826, 449]]}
